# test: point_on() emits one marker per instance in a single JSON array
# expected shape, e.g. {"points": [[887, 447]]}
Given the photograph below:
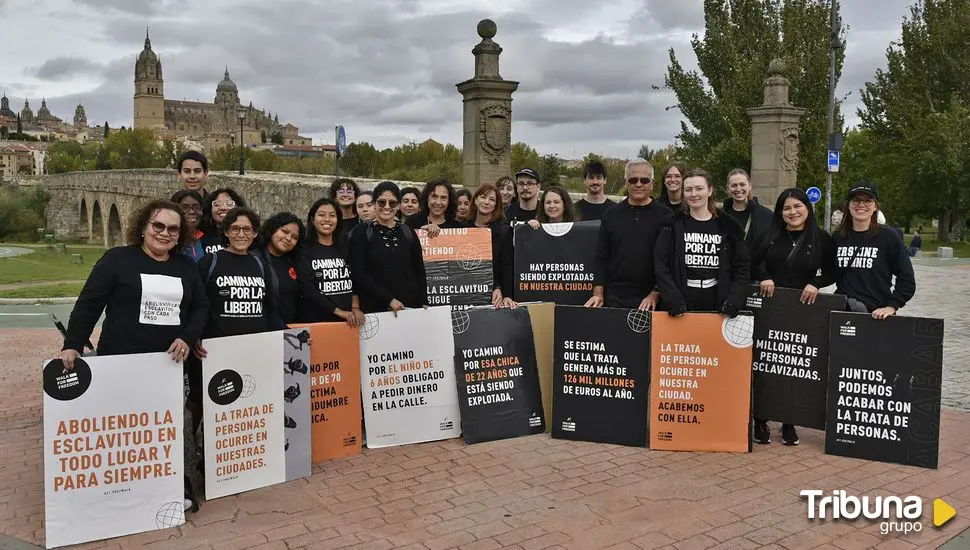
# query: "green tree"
{"points": [[549, 169], [106, 129], [21, 211], [69, 156], [361, 160], [917, 114], [523, 156], [277, 138], [740, 38], [138, 148]]}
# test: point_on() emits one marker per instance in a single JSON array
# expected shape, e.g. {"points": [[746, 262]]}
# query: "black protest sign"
{"points": [[458, 267], [555, 262], [885, 379], [498, 382], [790, 356], [600, 375]]}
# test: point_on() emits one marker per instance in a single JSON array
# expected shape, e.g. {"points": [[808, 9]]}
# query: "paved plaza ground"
{"points": [[537, 492]]}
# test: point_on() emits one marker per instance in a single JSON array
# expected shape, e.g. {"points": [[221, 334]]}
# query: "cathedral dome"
{"points": [[43, 111], [227, 85]]}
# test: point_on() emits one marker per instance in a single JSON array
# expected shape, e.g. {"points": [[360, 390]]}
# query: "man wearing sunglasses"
{"points": [[527, 183], [624, 274]]}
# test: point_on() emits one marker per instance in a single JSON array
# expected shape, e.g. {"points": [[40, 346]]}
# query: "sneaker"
{"points": [[762, 434], [788, 435]]}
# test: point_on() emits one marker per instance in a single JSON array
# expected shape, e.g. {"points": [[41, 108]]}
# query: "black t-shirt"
{"points": [[740, 217], [324, 274], [238, 301], [516, 214], [211, 242], [419, 220], [589, 211], [345, 226], [874, 268], [701, 243], [288, 287], [147, 303]]}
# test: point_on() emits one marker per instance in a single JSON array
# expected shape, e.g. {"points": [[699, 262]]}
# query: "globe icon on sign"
{"points": [[370, 327], [171, 514], [460, 321], [248, 386], [557, 229], [469, 257], [739, 331], [638, 321]]}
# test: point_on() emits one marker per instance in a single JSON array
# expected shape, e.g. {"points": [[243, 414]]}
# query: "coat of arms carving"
{"points": [[495, 131]]}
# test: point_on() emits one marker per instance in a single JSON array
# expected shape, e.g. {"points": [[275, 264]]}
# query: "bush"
{"points": [[22, 212]]}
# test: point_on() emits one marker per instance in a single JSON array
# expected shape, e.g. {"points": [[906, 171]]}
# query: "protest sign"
{"points": [[113, 447], [407, 371], [244, 417], [543, 316], [700, 394], [498, 382], [296, 404], [600, 375], [555, 262], [791, 355], [458, 267], [334, 389], [885, 379]]}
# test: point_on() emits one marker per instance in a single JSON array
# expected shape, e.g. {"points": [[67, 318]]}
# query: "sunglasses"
{"points": [[642, 181], [387, 203], [227, 204], [159, 228]]}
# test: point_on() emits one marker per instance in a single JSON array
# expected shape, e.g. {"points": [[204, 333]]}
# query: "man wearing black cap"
{"points": [[869, 256], [523, 210]]}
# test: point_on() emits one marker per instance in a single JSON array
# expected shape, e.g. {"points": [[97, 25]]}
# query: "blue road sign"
{"points": [[833, 160], [814, 194], [341, 140]]}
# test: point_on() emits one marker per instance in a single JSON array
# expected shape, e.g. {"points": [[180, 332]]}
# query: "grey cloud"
{"points": [[63, 68]]}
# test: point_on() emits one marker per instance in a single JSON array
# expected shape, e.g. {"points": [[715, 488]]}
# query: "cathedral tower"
{"points": [[149, 94]]}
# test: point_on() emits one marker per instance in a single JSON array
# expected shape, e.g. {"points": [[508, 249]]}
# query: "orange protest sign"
{"points": [[700, 382], [335, 409]]}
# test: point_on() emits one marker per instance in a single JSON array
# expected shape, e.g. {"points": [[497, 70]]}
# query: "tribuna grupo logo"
{"points": [[895, 514]]}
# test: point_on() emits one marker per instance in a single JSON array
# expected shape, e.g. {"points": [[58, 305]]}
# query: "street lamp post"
{"points": [[241, 112]]}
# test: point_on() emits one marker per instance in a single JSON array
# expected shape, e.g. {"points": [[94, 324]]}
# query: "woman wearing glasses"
{"points": [[214, 209], [152, 297], [386, 261], [702, 262], [344, 192], [323, 271], [868, 256], [236, 282], [191, 204]]}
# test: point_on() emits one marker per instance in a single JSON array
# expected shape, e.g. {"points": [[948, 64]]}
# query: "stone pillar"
{"points": [[487, 116], [774, 138]]}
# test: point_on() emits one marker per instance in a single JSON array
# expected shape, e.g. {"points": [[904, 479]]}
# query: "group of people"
{"points": [[202, 264]]}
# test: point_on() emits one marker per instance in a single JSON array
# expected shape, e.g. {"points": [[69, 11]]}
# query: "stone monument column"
{"points": [[774, 138], [487, 135]]}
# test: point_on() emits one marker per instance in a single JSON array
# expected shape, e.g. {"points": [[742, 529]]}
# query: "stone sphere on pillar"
{"points": [[487, 29]]}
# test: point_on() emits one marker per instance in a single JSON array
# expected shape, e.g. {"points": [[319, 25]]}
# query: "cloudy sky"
{"points": [[387, 69]]}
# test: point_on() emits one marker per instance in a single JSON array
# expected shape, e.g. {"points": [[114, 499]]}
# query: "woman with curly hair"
{"points": [[214, 209], [278, 248], [438, 208]]}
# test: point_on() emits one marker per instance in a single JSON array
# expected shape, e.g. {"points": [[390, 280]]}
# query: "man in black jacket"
{"points": [[624, 269], [755, 220]]}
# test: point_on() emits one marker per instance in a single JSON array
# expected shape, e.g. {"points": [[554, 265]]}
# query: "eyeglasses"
{"points": [[236, 230], [191, 208], [528, 184], [345, 191], [641, 181], [866, 202], [227, 204], [159, 228], [387, 203]]}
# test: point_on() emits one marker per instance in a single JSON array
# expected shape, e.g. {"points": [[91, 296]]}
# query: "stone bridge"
{"points": [[94, 206]]}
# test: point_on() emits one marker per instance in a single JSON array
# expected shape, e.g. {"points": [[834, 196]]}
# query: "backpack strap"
{"points": [[212, 266]]}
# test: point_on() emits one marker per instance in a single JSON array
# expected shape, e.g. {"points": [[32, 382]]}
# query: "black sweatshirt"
{"points": [[624, 254], [761, 219], [875, 258], [211, 242], [284, 285], [591, 212], [239, 300], [149, 303], [770, 259], [420, 220], [503, 258], [324, 274], [733, 269], [515, 214], [385, 268]]}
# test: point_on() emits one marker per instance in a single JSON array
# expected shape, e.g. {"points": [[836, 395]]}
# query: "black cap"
{"points": [[529, 173], [864, 187]]}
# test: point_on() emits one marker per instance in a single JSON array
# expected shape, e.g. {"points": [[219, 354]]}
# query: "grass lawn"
{"points": [[46, 264], [960, 250], [49, 291]]}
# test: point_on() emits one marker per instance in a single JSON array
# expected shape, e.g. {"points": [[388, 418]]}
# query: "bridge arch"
{"points": [[114, 236], [97, 224], [84, 219]]}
